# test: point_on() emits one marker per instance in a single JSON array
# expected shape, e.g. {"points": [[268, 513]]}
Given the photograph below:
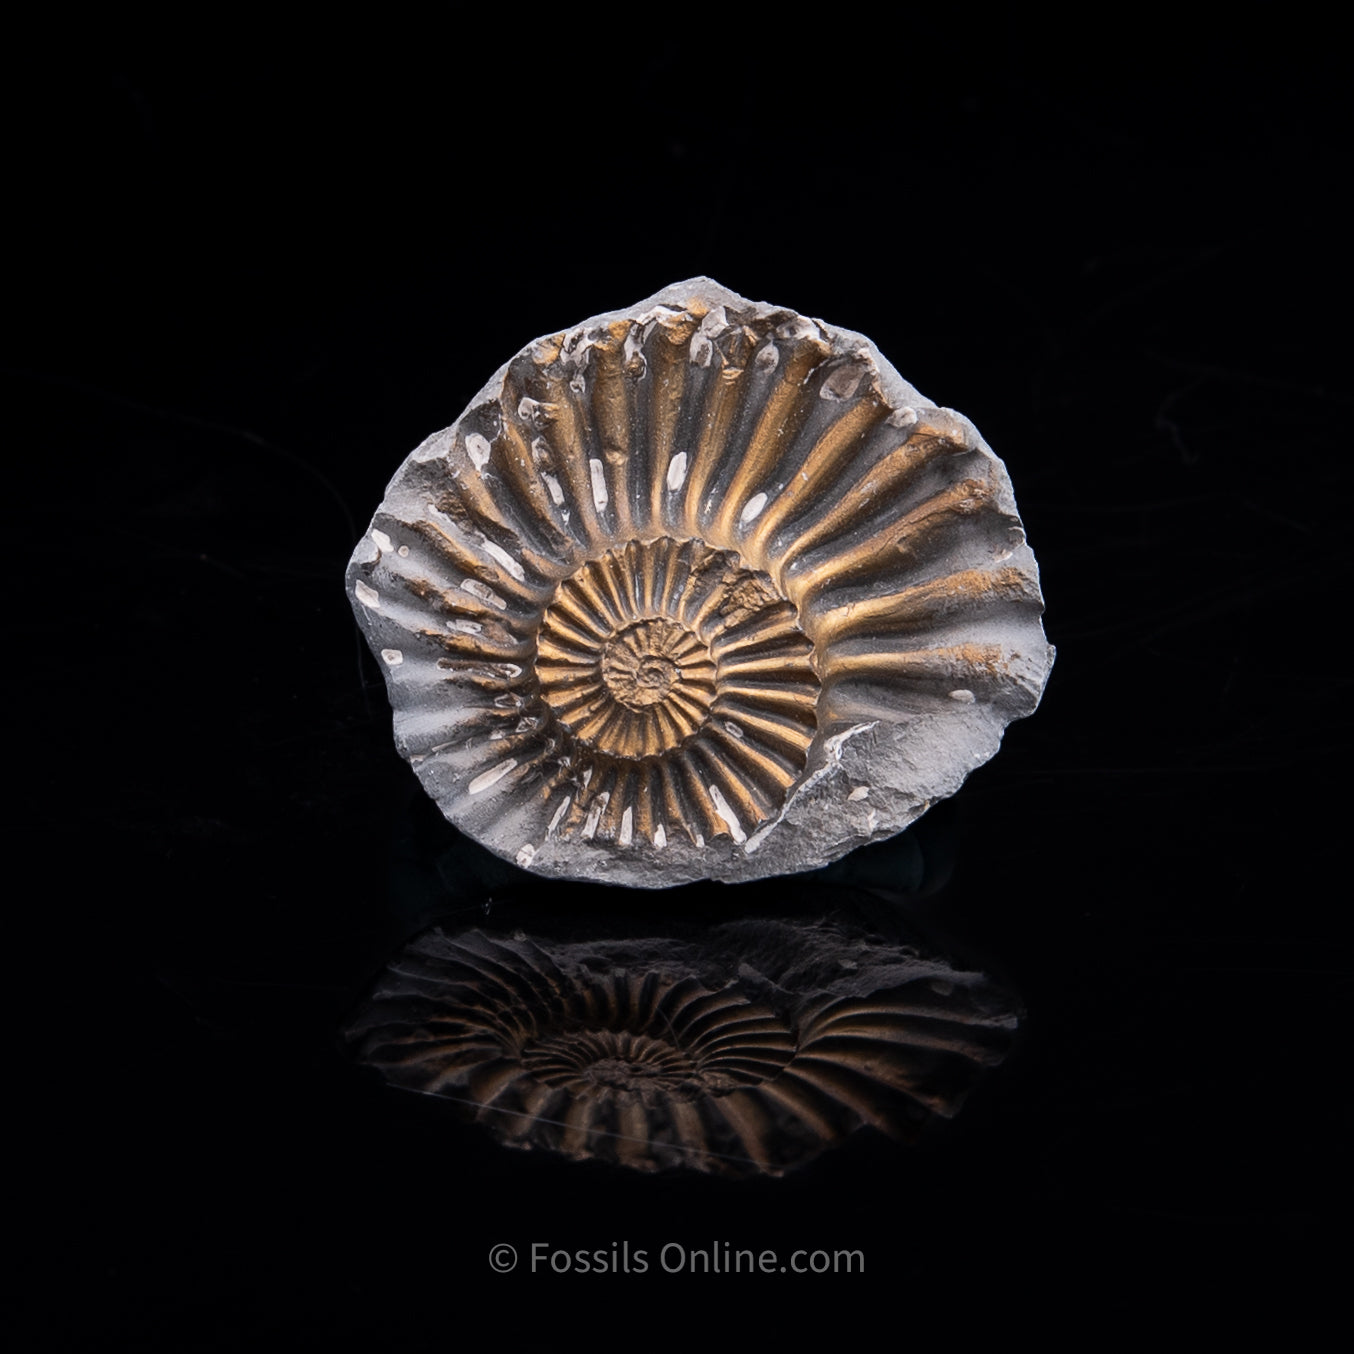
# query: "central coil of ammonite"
{"points": [[658, 663], [663, 673], [679, 655], [601, 1062]]}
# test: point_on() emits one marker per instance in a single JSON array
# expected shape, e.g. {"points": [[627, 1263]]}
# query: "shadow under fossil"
{"points": [[746, 1051]]}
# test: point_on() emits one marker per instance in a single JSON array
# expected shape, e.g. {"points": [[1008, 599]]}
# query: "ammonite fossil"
{"points": [[699, 589], [746, 1053]]}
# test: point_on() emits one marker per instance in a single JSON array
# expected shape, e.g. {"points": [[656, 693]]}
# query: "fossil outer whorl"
{"points": [[699, 589]]}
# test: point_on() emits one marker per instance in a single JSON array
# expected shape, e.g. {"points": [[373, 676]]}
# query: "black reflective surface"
{"points": [[735, 1037], [249, 288]]}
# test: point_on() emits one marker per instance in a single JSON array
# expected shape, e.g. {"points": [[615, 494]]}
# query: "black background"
{"points": [[249, 281]]}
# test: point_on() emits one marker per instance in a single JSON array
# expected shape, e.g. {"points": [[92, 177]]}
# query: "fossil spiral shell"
{"points": [[748, 1054], [699, 589]]}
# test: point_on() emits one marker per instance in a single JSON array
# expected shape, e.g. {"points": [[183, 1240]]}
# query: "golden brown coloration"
{"points": [[681, 679], [639, 596], [747, 1056]]}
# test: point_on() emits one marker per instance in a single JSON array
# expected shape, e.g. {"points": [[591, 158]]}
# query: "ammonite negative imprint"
{"points": [[699, 589], [748, 1053]]}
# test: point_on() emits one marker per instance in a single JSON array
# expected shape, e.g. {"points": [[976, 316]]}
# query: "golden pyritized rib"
{"points": [[782, 413], [928, 604]]}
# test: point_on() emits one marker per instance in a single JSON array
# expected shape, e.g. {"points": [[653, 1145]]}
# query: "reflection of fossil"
{"points": [[748, 1053], [700, 588]]}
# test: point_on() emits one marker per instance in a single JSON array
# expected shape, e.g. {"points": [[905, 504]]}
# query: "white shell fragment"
{"points": [[681, 581]]}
